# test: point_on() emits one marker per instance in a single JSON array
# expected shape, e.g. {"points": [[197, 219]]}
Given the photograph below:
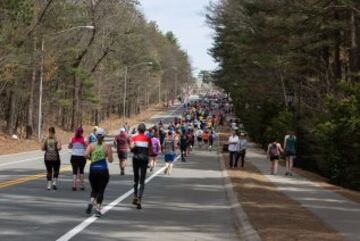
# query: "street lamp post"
{"points": [[42, 71], [125, 85]]}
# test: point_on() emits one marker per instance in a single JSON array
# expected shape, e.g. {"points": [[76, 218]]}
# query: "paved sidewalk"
{"points": [[333, 209]]}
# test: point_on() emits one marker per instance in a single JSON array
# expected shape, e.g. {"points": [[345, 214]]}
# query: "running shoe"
{"points": [[74, 189], [122, 172], [82, 188], [89, 208], [54, 187], [135, 201], [138, 205], [98, 213]]}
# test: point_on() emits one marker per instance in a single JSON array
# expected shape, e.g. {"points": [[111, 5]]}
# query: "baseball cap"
{"points": [[100, 132], [122, 130]]}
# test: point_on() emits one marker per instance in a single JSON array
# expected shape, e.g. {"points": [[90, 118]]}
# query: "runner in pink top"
{"points": [[78, 161]]}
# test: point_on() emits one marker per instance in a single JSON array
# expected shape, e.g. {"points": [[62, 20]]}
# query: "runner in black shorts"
{"points": [[78, 161]]}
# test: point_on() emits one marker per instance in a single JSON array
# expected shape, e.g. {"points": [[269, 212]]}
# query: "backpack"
{"points": [[274, 150], [155, 150]]}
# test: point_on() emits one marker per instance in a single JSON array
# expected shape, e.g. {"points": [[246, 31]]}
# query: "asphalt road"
{"points": [[188, 205]]}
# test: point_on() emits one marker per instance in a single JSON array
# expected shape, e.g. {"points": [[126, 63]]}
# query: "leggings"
{"points": [[241, 154], [232, 158], [52, 167], [98, 181], [140, 168], [78, 164]]}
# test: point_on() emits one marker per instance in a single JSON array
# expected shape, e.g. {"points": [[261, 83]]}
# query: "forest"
{"points": [[295, 65], [67, 60]]}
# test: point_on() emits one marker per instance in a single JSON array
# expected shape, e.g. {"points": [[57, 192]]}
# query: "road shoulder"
{"points": [[273, 215]]}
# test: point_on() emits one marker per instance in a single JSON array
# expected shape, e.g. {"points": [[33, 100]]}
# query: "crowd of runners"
{"points": [[195, 128]]}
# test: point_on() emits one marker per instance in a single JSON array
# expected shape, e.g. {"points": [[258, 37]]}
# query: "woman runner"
{"points": [[99, 173], [78, 161], [52, 146], [154, 150], [170, 152]]}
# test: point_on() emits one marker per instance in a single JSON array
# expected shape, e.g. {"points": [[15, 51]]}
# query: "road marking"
{"points": [[29, 178], [83, 225], [15, 162]]}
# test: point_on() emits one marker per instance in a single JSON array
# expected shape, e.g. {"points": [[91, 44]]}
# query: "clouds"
{"points": [[186, 19]]}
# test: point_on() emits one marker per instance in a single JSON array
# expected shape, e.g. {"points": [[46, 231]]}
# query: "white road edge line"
{"points": [[83, 225], [25, 160]]}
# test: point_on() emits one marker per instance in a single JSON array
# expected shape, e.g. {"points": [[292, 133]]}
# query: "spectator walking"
{"points": [[290, 152], [241, 148], [233, 143], [273, 153]]}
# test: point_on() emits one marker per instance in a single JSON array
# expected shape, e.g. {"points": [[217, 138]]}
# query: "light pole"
{"points": [[125, 85], [42, 69]]}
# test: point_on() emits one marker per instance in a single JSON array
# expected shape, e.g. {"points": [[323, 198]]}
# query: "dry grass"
{"points": [[8, 145]]}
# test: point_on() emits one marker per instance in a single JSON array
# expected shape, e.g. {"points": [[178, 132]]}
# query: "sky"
{"points": [[186, 19]]}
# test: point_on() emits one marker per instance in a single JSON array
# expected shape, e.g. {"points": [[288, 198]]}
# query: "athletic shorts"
{"points": [[273, 158], [199, 139], [290, 153], [206, 141], [122, 155], [78, 164], [170, 157]]}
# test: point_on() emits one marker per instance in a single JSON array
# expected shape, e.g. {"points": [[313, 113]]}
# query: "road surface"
{"points": [[188, 205]]}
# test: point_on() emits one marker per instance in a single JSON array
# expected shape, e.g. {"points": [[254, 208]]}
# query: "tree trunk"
{"points": [[10, 125], [30, 116], [354, 50]]}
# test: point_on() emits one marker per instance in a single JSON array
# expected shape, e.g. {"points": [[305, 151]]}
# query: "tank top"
{"points": [[290, 143], [98, 158], [78, 146]]}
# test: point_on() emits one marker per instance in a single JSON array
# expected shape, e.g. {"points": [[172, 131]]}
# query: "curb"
{"points": [[242, 222]]}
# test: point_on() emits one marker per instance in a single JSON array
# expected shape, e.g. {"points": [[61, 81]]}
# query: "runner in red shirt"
{"points": [[122, 147], [140, 146]]}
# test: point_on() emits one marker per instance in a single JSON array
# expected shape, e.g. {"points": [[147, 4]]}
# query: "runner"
{"points": [[273, 153], [52, 146], [154, 151], [191, 140], [169, 152], [212, 137], [290, 152], [242, 146], [233, 142], [99, 175], [78, 161], [183, 144], [199, 135], [122, 147], [92, 137], [162, 134], [140, 146], [205, 138]]}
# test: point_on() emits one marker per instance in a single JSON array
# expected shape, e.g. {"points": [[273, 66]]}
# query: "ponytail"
{"points": [[100, 139]]}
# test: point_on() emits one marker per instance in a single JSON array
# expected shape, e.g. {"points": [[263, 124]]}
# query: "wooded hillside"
{"points": [[86, 46]]}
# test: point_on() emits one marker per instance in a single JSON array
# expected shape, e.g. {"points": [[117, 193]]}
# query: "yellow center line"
{"points": [[21, 180]]}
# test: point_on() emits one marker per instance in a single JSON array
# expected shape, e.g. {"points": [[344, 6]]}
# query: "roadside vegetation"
{"points": [[294, 65]]}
